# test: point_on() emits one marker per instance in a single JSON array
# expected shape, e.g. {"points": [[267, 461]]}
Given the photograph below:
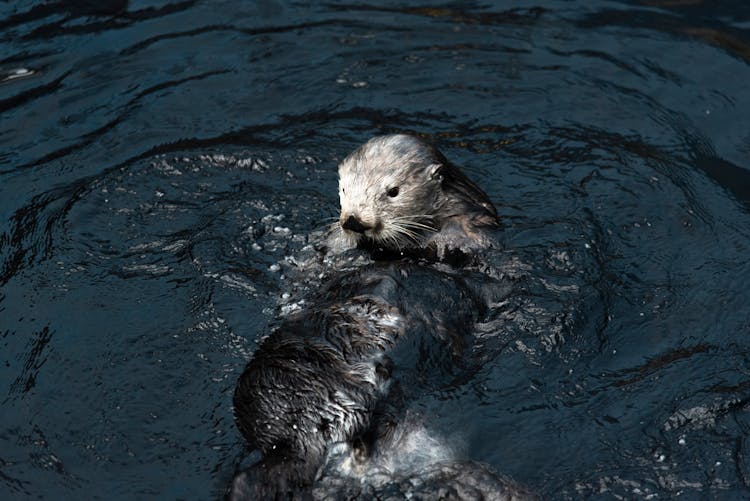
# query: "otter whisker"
{"points": [[413, 216], [414, 228], [417, 225], [392, 239], [409, 221], [405, 230], [388, 239], [402, 230], [414, 220]]}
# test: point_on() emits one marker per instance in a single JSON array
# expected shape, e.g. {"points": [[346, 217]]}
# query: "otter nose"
{"points": [[354, 224]]}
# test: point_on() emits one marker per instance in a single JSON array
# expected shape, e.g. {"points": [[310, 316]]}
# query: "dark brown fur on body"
{"points": [[326, 374], [313, 382]]}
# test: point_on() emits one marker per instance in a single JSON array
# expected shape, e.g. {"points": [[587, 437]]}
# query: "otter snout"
{"points": [[354, 224]]}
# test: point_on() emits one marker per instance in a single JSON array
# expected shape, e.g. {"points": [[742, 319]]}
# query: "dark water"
{"points": [[159, 163]]}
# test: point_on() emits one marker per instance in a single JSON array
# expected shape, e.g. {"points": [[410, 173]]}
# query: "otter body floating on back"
{"points": [[325, 375], [400, 194]]}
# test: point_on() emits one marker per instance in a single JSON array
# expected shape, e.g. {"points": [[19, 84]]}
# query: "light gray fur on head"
{"points": [[387, 162]]}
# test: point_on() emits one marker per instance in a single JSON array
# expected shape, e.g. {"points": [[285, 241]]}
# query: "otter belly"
{"points": [[331, 373]]}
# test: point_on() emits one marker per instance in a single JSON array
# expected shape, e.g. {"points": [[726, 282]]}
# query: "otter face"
{"points": [[389, 190]]}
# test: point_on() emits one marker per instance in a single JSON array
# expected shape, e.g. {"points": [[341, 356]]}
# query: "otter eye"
{"points": [[393, 192]]}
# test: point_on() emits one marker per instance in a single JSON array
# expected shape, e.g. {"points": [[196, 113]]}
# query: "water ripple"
{"points": [[167, 170]]}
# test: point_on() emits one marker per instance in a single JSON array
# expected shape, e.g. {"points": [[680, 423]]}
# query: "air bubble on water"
{"points": [[272, 217]]}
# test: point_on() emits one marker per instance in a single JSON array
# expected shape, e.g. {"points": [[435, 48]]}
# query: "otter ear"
{"points": [[435, 171]]}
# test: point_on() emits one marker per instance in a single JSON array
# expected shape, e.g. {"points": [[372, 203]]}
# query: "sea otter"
{"points": [[399, 194], [338, 372]]}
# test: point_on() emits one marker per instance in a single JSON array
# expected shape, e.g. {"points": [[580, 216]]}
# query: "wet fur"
{"points": [[330, 374], [327, 373], [437, 207]]}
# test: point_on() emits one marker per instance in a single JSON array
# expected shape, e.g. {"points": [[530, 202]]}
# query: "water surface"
{"points": [[161, 162]]}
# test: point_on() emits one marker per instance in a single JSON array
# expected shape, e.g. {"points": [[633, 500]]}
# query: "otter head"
{"points": [[390, 191]]}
